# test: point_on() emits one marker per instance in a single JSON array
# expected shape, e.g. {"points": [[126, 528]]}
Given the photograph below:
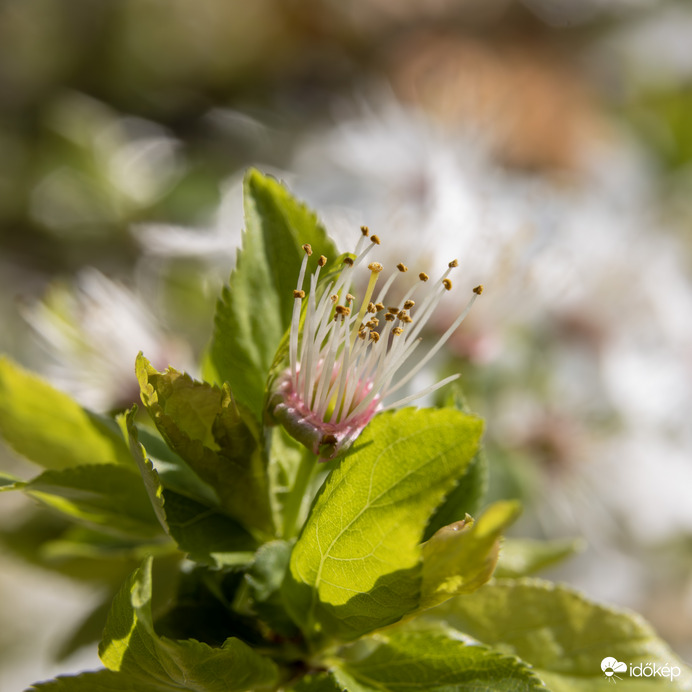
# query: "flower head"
{"points": [[346, 352]]}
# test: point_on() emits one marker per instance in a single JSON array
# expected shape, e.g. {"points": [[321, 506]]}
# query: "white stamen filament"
{"points": [[349, 352]]}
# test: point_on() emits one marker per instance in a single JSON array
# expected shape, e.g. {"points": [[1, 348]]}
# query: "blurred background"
{"points": [[547, 144]]}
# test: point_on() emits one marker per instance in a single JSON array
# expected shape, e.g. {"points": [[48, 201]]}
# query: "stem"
{"points": [[296, 499]]}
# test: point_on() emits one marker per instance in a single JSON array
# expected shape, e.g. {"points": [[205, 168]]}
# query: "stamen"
{"points": [[375, 239], [308, 249], [409, 304], [348, 261], [453, 263], [322, 261], [397, 331], [478, 290], [402, 267], [298, 294], [447, 283], [423, 276], [365, 231]]}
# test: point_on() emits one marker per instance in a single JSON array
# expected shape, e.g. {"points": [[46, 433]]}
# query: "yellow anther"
{"points": [[334, 298], [365, 231], [393, 309], [447, 283], [342, 310], [375, 267], [389, 317], [423, 276], [374, 337], [402, 267], [401, 314], [322, 261], [478, 290], [372, 323], [375, 239], [348, 261], [397, 331], [308, 249], [453, 264], [409, 304], [379, 306], [299, 294], [371, 308], [350, 298], [407, 319]]}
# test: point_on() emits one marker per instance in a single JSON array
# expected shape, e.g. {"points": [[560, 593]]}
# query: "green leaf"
{"points": [[100, 681], [10, 482], [131, 646], [264, 580], [521, 557], [562, 634], [208, 535], [254, 311], [202, 424], [436, 661], [105, 495], [50, 428], [465, 498], [356, 565], [320, 682], [461, 557]]}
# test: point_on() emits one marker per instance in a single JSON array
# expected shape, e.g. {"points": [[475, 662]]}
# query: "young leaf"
{"points": [[50, 428], [105, 495], [264, 581], [131, 646], [436, 661], [100, 681], [254, 311], [203, 425], [521, 557], [461, 557], [466, 497], [562, 634], [356, 565], [205, 533]]}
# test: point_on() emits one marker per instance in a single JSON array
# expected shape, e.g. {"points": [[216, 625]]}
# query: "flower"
{"points": [[345, 353]]}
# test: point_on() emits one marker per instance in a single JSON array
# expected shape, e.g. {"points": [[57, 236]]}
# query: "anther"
{"points": [[447, 283], [365, 231], [334, 298], [374, 322], [379, 306], [453, 264], [299, 294], [389, 317], [409, 304], [371, 308], [397, 331], [348, 261], [402, 267], [407, 319], [393, 309], [423, 276], [401, 314], [350, 298], [375, 266], [375, 239], [374, 337], [308, 249], [342, 310], [478, 290], [322, 261]]}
